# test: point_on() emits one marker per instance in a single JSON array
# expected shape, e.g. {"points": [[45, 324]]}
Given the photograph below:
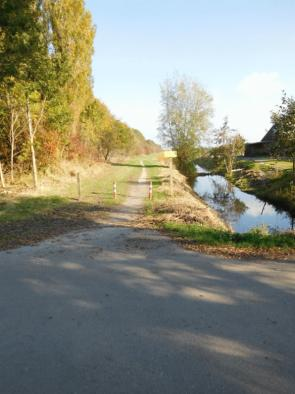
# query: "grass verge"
{"points": [[27, 217], [269, 180], [215, 237], [60, 192]]}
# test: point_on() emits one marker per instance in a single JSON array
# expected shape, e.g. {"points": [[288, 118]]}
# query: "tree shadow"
{"points": [[132, 312]]}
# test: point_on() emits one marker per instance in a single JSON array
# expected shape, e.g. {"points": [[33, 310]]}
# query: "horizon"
{"points": [[244, 66]]}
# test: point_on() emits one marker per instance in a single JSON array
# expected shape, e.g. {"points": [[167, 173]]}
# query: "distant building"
{"points": [[264, 147]]}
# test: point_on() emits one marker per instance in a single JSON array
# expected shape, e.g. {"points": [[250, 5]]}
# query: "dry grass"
{"points": [[185, 206]]}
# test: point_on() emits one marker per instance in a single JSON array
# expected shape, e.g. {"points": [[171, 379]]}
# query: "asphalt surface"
{"points": [[124, 310]]}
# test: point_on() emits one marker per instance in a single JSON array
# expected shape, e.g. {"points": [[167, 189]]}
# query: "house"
{"points": [[264, 147]]}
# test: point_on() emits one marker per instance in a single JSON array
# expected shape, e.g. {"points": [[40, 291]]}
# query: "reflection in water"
{"points": [[225, 200], [242, 210]]}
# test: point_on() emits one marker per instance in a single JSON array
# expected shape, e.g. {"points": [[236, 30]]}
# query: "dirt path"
{"points": [[128, 212], [118, 309]]}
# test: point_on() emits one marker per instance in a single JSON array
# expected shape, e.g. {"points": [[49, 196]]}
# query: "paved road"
{"points": [[123, 310]]}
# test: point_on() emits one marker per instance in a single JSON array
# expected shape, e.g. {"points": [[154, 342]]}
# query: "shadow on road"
{"points": [[108, 303]]}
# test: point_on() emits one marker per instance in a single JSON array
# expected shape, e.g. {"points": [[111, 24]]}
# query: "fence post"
{"points": [[151, 190], [114, 190], [78, 186]]}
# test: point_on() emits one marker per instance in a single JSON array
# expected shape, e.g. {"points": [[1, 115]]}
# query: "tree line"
{"points": [[47, 107]]}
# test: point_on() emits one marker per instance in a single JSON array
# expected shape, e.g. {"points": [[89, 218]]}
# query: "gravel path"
{"points": [[118, 309]]}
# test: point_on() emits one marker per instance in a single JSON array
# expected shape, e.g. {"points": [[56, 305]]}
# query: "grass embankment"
{"points": [[27, 216], [268, 179], [193, 223]]}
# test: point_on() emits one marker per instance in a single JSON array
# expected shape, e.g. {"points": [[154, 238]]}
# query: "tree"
{"points": [[185, 117], [27, 61], [72, 39], [230, 144], [284, 122], [115, 138]]}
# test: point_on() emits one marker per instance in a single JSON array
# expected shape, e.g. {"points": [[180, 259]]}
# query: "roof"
{"points": [[270, 135]]}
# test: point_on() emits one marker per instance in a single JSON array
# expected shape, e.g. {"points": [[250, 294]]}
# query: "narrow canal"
{"points": [[241, 210]]}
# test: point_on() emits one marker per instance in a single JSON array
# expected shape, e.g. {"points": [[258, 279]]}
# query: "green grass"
{"points": [[274, 184], [100, 189], [93, 191], [21, 208], [213, 237], [154, 167], [265, 164]]}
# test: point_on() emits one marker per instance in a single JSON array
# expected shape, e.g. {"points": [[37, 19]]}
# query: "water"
{"points": [[241, 210]]}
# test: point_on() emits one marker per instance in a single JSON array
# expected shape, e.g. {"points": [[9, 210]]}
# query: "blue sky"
{"points": [[242, 52]]}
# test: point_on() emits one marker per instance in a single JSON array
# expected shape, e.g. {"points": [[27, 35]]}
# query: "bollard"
{"points": [[151, 191], [114, 190]]}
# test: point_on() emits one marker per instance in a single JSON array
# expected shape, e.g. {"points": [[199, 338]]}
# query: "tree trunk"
{"points": [[293, 170], [32, 147], [106, 156], [34, 165], [2, 177], [12, 159], [11, 138]]}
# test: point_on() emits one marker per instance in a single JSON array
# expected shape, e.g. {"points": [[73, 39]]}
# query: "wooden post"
{"points": [[151, 191], [171, 176], [78, 186], [114, 190], [2, 177]]}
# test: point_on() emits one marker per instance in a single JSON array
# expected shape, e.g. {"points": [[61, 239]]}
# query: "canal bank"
{"points": [[196, 224], [242, 211]]}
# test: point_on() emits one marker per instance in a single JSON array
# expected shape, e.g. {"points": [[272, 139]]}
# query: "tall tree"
{"points": [[72, 36], [26, 59], [185, 117], [284, 122]]}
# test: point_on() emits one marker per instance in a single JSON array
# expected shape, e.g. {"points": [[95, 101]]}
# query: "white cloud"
{"points": [[250, 103]]}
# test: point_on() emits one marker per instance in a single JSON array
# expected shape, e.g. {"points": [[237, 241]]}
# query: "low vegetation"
{"points": [[215, 237], [183, 207], [271, 180], [27, 216]]}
